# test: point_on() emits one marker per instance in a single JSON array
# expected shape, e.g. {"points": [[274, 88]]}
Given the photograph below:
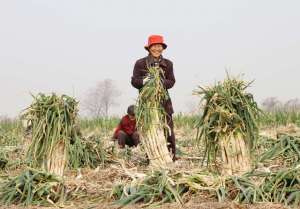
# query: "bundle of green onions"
{"points": [[287, 148], [52, 119], [281, 186], [32, 187], [88, 152], [156, 188], [202, 181], [228, 124], [151, 119]]}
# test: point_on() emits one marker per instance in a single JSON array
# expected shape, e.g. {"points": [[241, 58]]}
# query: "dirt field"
{"points": [[94, 186]]}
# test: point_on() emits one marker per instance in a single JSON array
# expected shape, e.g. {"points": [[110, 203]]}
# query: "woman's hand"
{"points": [[146, 79]]}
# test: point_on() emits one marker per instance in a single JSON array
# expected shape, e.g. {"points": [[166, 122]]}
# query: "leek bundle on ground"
{"points": [[202, 181], [228, 124], [89, 152], [282, 186], [154, 189], [32, 187], [11, 157], [286, 148], [52, 119], [151, 119]]}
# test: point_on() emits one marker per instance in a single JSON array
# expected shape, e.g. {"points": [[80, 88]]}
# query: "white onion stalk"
{"points": [[151, 120]]}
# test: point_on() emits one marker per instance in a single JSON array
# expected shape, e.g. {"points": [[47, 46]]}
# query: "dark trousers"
{"points": [[171, 136], [130, 140]]}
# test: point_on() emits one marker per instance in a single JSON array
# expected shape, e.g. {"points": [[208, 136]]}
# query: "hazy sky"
{"points": [[67, 46]]}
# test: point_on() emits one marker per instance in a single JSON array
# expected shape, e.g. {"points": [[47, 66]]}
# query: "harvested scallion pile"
{"points": [[286, 148], [53, 120], [32, 187], [156, 188], [281, 186], [228, 124], [88, 152], [151, 119]]}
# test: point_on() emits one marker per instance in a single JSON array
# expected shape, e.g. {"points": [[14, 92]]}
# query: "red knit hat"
{"points": [[155, 39]]}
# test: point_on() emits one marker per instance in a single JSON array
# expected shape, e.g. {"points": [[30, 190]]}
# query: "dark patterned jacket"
{"points": [[140, 72]]}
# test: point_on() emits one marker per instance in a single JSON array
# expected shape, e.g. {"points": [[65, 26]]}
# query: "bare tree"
{"points": [[271, 103], [292, 105], [101, 98]]}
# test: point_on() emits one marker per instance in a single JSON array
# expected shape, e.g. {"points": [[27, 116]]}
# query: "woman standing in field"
{"points": [[140, 77]]}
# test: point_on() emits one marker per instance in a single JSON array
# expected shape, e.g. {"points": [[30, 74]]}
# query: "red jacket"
{"points": [[127, 125]]}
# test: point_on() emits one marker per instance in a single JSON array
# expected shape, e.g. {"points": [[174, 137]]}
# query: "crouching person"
{"points": [[126, 133]]}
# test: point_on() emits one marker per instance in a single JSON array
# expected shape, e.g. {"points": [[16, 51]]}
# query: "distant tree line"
{"points": [[271, 104]]}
